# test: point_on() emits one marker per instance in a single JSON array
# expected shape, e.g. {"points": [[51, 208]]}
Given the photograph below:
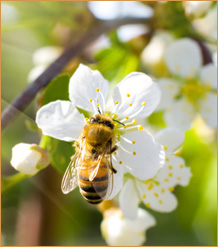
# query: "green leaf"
{"points": [[61, 156], [157, 119], [57, 89]]}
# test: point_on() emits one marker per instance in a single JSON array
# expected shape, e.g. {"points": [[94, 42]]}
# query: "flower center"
{"points": [[195, 90]]}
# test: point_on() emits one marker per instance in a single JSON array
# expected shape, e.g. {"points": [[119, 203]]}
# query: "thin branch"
{"points": [[21, 102]]}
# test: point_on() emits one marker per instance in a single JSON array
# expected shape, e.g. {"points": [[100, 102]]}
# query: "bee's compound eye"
{"points": [[92, 120], [109, 124]]}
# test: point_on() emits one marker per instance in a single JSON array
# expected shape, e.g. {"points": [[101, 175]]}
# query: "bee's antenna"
{"points": [[98, 107], [118, 122]]}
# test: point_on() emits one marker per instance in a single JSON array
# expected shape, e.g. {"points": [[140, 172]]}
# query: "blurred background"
{"points": [[34, 211]]}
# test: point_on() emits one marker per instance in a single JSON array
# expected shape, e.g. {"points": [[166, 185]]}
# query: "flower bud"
{"points": [[29, 158], [120, 231]]}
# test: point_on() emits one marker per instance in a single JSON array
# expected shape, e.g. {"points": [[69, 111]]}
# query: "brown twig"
{"points": [[21, 102]]}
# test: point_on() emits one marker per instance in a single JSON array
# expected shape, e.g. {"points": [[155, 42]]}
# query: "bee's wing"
{"points": [[107, 177], [69, 181]]}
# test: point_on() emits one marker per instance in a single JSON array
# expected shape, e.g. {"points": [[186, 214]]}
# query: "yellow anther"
{"points": [[165, 147], [114, 153], [177, 153], [147, 205], [128, 95], [134, 153], [144, 196], [116, 102], [167, 159], [97, 104], [170, 167], [143, 103], [120, 162], [166, 180], [107, 114], [178, 178], [134, 121], [87, 119], [160, 201], [181, 166], [127, 117], [150, 186], [114, 115], [118, 135], [155, 194], [147, 181], [162, 190], [124, 126], [130, 104], [133, 142], [171, 189], [90, 100], [97, 89], [140, 127], [170, 174]]}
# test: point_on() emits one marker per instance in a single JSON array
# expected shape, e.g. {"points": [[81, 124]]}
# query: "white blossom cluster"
{"points": [[148, 166]]}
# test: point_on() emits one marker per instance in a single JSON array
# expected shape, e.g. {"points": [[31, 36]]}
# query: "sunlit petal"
{"points": [[136, 93], [61, 120], [173, 173], [170, 138], [183, 57], [156, 197], [143, 158], [83, 86]]}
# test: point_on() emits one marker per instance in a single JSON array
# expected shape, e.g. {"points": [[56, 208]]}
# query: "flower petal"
{"points": [[143, 221], [180, 114], [209, 110], [82, 88], [61, 120], [143, 158], [134, 90], [128, 200], [173, 173], [169, 89], [183, 57], [117, 180], [156, 198], [170, 138], [208, 75]]}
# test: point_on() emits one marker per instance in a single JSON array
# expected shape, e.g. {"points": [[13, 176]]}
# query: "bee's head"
{"points": [[100, 119]]}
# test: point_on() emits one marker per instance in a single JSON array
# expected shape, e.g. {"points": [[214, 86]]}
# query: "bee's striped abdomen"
{"points": [[93, 191]]}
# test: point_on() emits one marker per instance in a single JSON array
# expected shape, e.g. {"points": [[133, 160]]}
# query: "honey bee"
{"points": [[91, 166]]}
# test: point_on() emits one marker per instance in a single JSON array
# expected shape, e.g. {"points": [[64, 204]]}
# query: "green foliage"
{"points": [[117, 61], [57, 89]]}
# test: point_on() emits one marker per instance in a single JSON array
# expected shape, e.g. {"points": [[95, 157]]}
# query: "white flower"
{"points": [[136, 96], [196, 8], [207, 25], [192, 89], [29, 158], [42, 58], [120, 231], [153, 54], [156, 193]]}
